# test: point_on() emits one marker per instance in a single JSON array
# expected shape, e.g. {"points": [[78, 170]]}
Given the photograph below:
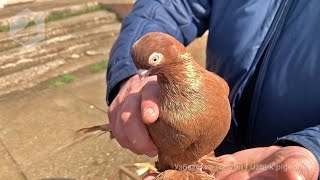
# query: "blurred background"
{"points": [[53, 57]]}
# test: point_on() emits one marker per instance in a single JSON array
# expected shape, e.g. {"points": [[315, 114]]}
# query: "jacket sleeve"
{"points": [[183, 19], [308, 138]]}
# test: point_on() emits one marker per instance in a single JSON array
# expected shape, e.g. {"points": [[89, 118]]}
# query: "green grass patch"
{"points": [[101, 66], [65, 79], [4, 28], [56, 84], [7, 28], [68, 78], [64, 15]]}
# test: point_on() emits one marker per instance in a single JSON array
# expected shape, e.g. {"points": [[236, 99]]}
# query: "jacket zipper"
{"points": [[272, 38]]}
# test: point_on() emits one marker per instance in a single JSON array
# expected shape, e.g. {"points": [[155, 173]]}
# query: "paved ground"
{"points": [[35, 127]]}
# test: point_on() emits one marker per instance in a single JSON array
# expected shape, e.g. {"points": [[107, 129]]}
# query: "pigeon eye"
{"points": [[155, 58]]}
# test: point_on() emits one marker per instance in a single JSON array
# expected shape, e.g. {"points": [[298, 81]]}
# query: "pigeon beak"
{"points": [[143, 73]]}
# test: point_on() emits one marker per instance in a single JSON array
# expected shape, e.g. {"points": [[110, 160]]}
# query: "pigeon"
{"points": [[195, 113]]}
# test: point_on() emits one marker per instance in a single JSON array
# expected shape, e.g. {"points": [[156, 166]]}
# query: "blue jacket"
{"points": [[281, 36]]}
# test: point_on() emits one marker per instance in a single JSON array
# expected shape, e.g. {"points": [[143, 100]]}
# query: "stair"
{"points": [[69, 45]]}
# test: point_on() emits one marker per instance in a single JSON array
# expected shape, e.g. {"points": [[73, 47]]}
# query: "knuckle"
{"points": [[114, 105], [121, 97], [124, 117], [111, 110], [118, 99], [127, 92]]}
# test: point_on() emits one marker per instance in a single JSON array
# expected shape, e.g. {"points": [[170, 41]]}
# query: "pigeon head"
{"points": [[156, 53]]}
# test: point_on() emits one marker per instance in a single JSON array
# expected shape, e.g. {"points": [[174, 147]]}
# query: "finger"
{"points": [[287, 171], [150, 102], [134, 128], [300, 167], [115, 106], [114, 113], [120, 133], [150, 176], [227, 159], [118, 129], [228, 165], [240, 175]]}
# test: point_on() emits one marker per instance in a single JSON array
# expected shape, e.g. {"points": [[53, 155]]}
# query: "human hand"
{"points": [[135, 105], [274, 162]]}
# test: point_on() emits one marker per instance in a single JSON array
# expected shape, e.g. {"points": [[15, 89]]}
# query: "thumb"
{"points": [[150, 102]]}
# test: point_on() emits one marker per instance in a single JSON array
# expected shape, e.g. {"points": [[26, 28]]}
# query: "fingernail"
{"points": [[148, 111]]}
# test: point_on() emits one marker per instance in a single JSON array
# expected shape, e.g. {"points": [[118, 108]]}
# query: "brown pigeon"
{"points": [[195, 112]]}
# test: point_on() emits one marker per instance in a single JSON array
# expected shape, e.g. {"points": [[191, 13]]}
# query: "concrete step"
{"points": [[82, 43], [55, 33], [56, 29], [44, 8], [69, 45]]}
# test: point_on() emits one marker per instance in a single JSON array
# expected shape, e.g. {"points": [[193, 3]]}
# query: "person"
{"points": [[267, 51]]}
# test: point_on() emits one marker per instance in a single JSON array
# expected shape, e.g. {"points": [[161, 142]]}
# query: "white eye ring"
{"points": [[155, 58]]}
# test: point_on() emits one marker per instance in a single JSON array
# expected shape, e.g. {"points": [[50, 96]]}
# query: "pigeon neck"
{"points": [[180, 85]]}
